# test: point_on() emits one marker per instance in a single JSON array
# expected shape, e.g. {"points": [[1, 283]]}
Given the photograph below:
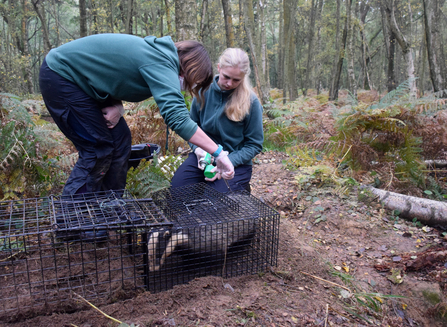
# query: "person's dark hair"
{"points": [[195, 67]]}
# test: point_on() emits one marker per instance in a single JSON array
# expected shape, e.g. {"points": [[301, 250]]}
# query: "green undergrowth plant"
{"points": [[366, 305], [152, 175], [383, 135], [26, 168], [148, 126], [293, 123]]}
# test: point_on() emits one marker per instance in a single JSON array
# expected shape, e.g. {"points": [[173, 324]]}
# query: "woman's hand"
{"points": [[224, 165], [112, 114]]}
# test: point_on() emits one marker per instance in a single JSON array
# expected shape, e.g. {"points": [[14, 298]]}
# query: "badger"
{"points": [[198, 242]]}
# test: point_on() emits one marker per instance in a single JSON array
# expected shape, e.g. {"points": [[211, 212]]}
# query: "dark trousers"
{"points": [[188, 173], [103, 152]]}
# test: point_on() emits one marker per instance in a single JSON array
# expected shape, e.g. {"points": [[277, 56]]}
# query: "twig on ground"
{"points": [[324, 280], [102, 312]]}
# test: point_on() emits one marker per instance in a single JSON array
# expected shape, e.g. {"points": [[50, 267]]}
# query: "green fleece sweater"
{"points": [[128, 68], [243, 140]]}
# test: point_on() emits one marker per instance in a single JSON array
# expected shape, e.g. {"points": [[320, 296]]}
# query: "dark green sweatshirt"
{"points": [[244, 139], [128, 68]]}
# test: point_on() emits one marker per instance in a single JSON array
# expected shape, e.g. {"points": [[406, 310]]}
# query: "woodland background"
{"points": [[295, 45]]}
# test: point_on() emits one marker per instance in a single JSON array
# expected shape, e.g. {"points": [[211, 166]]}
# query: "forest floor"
{"points": [[341, 262]]}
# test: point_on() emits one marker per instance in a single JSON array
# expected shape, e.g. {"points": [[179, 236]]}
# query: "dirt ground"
{"points": [[341, 262]]}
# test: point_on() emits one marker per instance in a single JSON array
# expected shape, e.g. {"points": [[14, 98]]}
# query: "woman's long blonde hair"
{"points": [[238, 106]]}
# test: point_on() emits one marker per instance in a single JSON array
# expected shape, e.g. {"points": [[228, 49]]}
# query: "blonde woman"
{"points": [[232, 117]]}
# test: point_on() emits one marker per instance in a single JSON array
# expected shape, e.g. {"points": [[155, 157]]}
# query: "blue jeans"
{"points": [[103, 152], [188, 173]]}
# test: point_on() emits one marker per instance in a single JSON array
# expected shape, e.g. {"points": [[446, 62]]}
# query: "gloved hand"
{"points": [[200, 153], [113, 114], [224, 165]]}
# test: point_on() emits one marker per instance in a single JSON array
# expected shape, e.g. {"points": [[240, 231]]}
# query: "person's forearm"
{"points": [[202, 140]]}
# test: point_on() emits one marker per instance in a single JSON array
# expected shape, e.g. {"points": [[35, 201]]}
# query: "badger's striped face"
{"points": [[177, 239]]}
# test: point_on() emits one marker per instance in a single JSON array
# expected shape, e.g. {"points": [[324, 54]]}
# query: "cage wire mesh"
{"points": [[212, 233], [109, 245]]}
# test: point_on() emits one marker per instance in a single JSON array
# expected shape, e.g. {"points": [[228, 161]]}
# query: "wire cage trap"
{"points": [[212, 233], [109, 245]]}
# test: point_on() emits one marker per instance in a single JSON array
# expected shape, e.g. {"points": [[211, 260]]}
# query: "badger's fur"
{"points": [[201, 243]]}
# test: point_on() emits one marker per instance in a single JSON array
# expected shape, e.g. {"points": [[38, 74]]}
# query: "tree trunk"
{"points": [[168, 17], [310, 49], [407, 51], [241, 27], [422, 66], [263, 48], [129, 15], [428, 212], [249, 32], [333, 94], [280, 64], [28, 74], [186, 20], [364, 9], [290, 86], [40, 11], [82, 18], [161, 25], [228, 23], [390, 42], [433, 39], [202, 20], [94, 27], [318, 67], [352, 85]]}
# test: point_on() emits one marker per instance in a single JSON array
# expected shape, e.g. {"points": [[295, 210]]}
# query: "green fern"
{"points": [[380, 133], [151, 176], [24, 169]]}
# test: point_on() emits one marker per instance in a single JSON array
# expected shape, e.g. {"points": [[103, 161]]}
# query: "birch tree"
{"points": [[186, 20], [407, 51], [350, 50]]}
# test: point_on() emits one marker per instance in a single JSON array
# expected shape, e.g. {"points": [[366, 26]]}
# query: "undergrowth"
{"points": [[152, 175], [26, 167], [147, 126], [382, 143], [366, 305]]}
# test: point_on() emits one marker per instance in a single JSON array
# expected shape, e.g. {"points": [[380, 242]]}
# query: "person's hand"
{"points": [[200, 153], [224, 166], [216, 176], [112, 114]]}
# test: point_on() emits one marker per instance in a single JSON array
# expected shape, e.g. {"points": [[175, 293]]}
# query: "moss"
{"points": [[432, 297], [322, 98]]}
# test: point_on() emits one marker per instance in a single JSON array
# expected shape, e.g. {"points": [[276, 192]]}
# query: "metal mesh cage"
{"points": [[212, 233], [109, 245]]}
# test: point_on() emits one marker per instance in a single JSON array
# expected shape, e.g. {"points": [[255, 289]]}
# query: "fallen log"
{"points": [[428, 212]]}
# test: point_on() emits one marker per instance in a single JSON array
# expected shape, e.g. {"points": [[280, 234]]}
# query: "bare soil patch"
{"points": [[324, 239]]}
